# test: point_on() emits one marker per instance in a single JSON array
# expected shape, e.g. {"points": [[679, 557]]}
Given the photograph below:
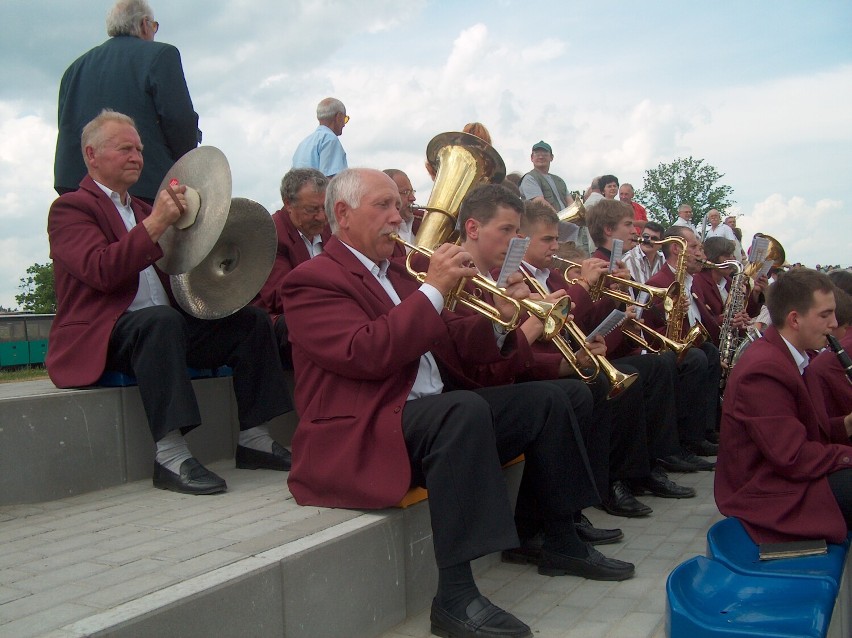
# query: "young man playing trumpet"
{"points": [[643, 420], [489, 218]]}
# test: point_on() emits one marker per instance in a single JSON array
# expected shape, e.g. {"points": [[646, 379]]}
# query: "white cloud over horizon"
{"points": [[772, 118]]}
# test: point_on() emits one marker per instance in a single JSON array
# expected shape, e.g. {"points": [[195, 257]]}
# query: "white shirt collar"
{"points": [[800, 358]]}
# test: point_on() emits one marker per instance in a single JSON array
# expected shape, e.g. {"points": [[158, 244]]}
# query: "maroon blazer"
{"points": [[655, 317], [291, 252], [777, 447], [96, 265], [356, 357], [710, 302], [835, 385]]}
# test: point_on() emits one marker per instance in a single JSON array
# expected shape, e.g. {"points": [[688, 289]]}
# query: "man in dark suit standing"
{"points": [[387, 400], [132, 74], [115, 311]]}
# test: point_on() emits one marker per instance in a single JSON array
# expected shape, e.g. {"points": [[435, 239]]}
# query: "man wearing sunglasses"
{"points": [[645, 260], [131, 74], [322, 149]]}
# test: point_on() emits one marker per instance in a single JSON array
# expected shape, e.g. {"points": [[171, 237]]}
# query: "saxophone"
{"points": [[729, 336]]}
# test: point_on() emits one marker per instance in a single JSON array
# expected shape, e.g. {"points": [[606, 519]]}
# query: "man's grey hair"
{"points": [[296, 178], [93, 132], [125, 18], [328, 108], [347, 186]]}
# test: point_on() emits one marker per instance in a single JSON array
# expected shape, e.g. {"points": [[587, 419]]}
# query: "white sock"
{"points": [[257, 438], [172, 450]]}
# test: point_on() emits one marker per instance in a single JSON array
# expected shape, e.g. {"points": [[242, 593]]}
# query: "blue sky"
{"points": [[759, 89]]}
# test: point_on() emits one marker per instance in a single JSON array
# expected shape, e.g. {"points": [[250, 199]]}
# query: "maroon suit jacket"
{"points": [[356, 357], [96, 265], [833, 381], [655, 316], [777, 447], [291, 252], [710, 302]]}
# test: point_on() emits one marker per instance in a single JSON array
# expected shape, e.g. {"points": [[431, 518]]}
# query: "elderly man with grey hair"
{"points": [[132, 74], [322, 149]]}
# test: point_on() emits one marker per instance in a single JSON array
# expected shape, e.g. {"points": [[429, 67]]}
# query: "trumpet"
{"points": [[618, 380], [553, 315], [602, 287], [695, 337]]}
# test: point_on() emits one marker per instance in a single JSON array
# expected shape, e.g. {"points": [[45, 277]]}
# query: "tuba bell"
{"points": [[462, 162]]}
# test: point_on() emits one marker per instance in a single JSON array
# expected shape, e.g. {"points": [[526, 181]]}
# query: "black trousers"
{"points": [[457, 442], [628, 456], [157, 344], [841, 487], [698, 393]]}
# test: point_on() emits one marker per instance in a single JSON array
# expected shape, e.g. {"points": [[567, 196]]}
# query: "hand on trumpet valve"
{"points": [[516, 289], [593, 269], [447, 265], [597, 347]]}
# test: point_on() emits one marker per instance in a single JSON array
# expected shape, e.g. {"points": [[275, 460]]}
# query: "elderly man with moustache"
{"points": [[410, 222], [114, 312], [387, 401], [302, 229]]}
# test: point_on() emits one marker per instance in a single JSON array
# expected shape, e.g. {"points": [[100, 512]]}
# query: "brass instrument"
{"points": [[574, 213], [617, 379], [462, 162], [553, 315], [752, 335], [775, 253], [729, 337], [601, 287], [696, 335]]}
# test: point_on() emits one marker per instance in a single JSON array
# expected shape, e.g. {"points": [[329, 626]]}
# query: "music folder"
{"points": [[792, 549]]}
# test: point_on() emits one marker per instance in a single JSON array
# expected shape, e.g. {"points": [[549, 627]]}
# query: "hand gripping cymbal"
{"points": [[205, 172], [236, 268]]}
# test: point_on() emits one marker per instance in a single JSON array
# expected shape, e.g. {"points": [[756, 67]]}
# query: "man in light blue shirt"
{"points": [[321, 149]]}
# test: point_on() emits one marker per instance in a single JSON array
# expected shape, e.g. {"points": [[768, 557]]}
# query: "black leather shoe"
{"points": [[621, 502], [194, 478], [595, 567], [659, 484], [702, 465], [703, 448], [279, 459], [483, 620], [594, 535], [528, 553], [677, 463]]}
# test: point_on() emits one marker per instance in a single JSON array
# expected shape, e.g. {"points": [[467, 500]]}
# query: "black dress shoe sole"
{"points": [[445, 625], [248, 459], [638, 490], [171, 487], [625, 513], [592, 539], [587, 570]]}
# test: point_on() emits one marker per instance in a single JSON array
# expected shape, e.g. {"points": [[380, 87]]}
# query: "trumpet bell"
{"points": [[461, 162]]}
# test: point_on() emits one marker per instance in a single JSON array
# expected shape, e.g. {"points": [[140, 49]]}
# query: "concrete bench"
{"points": [[56, 443]]}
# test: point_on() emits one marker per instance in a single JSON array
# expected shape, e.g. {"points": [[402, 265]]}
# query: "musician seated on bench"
{"points": [[115, 311], [785, 466]]}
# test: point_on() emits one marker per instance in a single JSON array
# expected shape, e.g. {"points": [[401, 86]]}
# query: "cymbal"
{"points": [[205, 170], [236, 267], [491, 162]]}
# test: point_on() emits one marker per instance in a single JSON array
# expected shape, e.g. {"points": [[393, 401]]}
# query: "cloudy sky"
{"points": [[759, 89]]}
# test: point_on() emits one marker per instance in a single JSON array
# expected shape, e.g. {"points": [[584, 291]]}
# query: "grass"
{"points": [[26, 373]]}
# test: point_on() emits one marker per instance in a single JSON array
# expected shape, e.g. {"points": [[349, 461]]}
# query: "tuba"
{"points": [[775, 253], [461, 162]]}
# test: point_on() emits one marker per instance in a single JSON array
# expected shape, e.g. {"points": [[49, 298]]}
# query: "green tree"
{"points": [[683, 181], [37, 293]]}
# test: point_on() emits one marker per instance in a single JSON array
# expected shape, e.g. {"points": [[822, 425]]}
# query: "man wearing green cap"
{"points": [[539, 185]]}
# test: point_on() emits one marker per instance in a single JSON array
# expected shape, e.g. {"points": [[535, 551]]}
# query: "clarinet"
{"points": [[842, 355]]}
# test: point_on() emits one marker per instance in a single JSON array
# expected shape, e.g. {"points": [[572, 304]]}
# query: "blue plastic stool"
{"points": [[707, 600], [729, 544]]}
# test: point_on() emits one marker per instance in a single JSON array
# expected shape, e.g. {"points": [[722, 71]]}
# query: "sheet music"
{"points": [[759, 249], [514, 256], [613, 320], [617, 252], [764, 269]]}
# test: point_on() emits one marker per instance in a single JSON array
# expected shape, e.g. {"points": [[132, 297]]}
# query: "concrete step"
{"points": [[132, 560]]}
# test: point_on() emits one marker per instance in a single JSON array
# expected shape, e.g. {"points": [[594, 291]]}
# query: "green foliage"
{"points": [[683, 181], [37, 293]]}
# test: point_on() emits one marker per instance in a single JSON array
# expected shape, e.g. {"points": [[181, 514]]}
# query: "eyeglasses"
{"points": [[407, 192], [155, 26], [651, 237], [345, 119], [312, 210]]}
